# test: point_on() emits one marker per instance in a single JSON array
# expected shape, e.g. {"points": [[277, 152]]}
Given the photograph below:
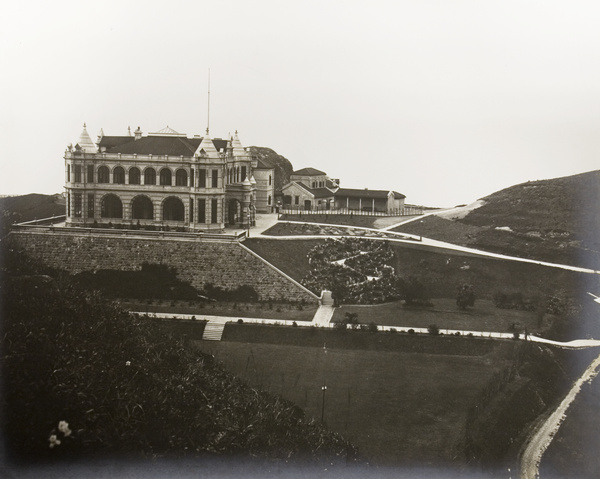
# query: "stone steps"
{"points": [[213, 331]]}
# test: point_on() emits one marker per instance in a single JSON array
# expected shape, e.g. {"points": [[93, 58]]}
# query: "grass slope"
{"points": [[32, 206], [555, 220]]}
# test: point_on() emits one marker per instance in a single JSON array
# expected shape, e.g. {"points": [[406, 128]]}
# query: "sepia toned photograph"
{"points": [[300, 239]]}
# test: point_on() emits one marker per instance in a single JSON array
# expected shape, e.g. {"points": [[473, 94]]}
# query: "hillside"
{"points": [[556, 220], [91, 381], [32, 206], [283, 167]]}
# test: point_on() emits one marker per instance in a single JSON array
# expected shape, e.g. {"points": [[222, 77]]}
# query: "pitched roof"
{"points": [[309, 172], [316, 192], [111, 141], [162, 145], [370, 194]]}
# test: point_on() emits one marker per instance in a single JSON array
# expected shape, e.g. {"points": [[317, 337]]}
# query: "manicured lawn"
{"points": [[484, 316], [399, 408], [290, 256], [250, 310], [358, 220]]}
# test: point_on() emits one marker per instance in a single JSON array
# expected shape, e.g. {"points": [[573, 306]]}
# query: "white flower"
{"points": [[63, 426], [128, 363], [53, 441]]}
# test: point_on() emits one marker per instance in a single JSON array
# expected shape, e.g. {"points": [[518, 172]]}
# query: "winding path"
{"points": [[532, 456]]}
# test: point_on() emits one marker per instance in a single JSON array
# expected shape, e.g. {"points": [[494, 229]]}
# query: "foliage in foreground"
{"points": [[83, 378]]}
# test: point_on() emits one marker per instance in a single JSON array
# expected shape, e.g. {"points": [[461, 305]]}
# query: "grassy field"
{"points": [[484, 316], [399, 408], [249, 310]]}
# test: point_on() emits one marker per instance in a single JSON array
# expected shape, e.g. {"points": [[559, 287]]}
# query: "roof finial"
{"points": [[208, 109], [84, 124]]}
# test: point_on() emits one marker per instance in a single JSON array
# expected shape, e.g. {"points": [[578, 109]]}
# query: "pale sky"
{"points": [[445, 101]]}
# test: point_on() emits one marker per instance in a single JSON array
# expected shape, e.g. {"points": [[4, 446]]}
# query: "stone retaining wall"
{"points": [[224, 264]]}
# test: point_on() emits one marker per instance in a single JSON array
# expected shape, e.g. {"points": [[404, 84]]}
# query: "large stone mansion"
{"points": [[165, 178]]}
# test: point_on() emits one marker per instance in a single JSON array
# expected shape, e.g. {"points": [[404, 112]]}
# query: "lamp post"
{"points": [[323, 388]]}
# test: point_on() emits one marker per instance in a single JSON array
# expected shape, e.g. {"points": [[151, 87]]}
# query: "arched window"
{"points": [[181, 177], [166, 177], [142, 208], [173, 209], [134, 176], [269, 200], [149, 176], [103, 174], [119, 175], [111, 207]]}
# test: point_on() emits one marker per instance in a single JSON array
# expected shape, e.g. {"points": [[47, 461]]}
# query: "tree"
{"points": [[414, 292], [465, 296]]}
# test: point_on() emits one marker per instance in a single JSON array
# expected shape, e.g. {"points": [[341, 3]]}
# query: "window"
{"points": [[191, 208], [111, 207], [68, 174], [296, 200], [68, 204], [213, 211], [119, 175], [192, 177], [142, 208], [149, 176], [215, 178], [103, 174], [269, 180], [314, 184], [134, 176], [269, 200], [201, 178], [287, 200], [166, 177], [181, 177], [77, 203], [90, 204], [77, 174], [243, 173], [90, 173], [202, 211], [173, 209]]}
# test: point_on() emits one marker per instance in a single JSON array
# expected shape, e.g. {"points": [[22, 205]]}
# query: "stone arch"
{"points": [[173, 209], [149, 176], [235, 212], [181, 177], [111, 206], [166, 177], [119, 175], [134, 175], [103, 174], [142, 208]]}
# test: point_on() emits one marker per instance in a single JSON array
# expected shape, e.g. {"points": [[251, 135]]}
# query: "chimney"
{"points": [[138, 133]]}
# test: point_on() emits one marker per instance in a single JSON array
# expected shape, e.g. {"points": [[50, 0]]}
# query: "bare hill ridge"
{"points": [[556, 220]]}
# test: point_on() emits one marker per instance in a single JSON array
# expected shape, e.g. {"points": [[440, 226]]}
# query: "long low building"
{"points": [[310, 189]]}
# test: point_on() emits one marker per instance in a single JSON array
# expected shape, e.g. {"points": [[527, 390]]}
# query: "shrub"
{"points": [[411, 331], [433, 330], [465, 296], [372, 327]]}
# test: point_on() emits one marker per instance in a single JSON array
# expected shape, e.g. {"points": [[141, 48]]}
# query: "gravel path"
{"points": [[530, 461]]}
